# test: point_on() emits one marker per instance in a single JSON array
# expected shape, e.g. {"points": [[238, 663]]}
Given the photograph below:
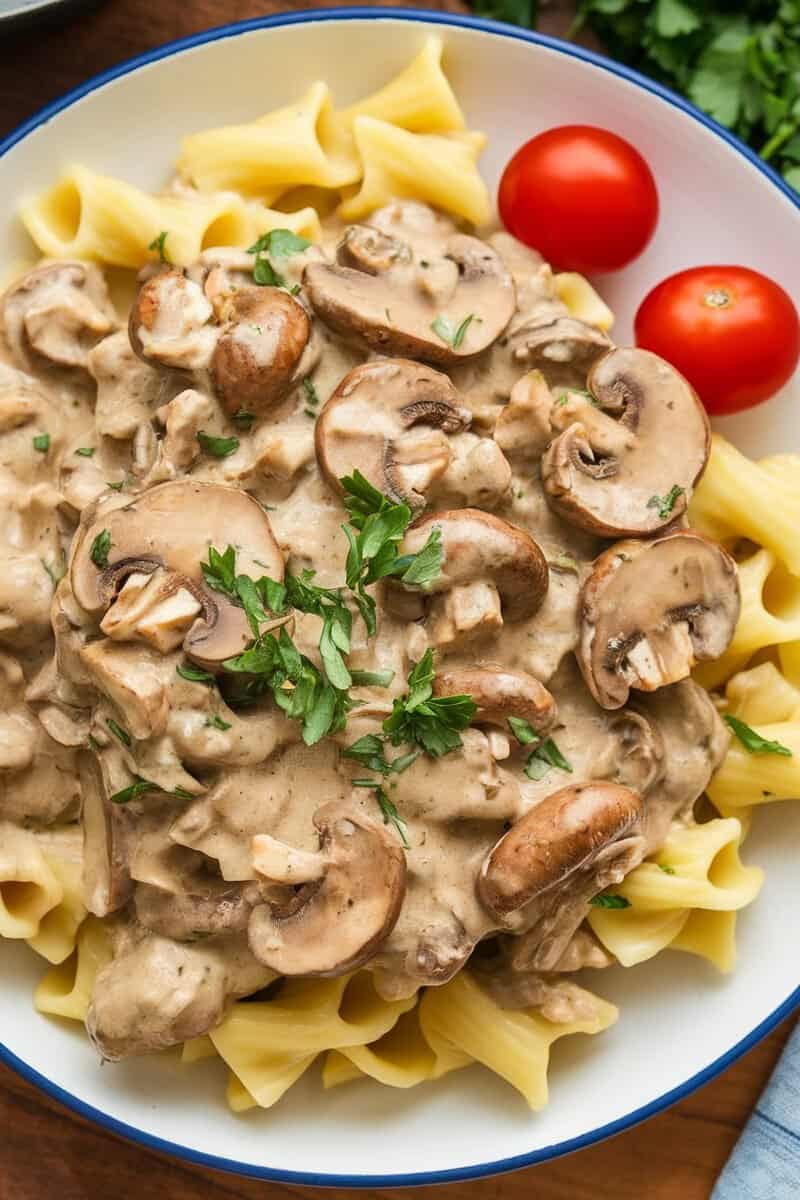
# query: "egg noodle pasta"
{"points": [[151, 425]]}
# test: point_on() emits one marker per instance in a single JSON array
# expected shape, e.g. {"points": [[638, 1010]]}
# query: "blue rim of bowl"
{"points": [[545, 1153]]}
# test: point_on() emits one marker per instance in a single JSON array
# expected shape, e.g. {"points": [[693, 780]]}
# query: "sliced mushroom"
{"points": [[204, 906], [565, 834], [628, 465], [491, 572], [56, 314], [390, 419], [563, 350], [651, 610], [523, 428], [500, 694], [108, 830], [169, 324], [264, 334], [385, 293], [171, 527], [335, 920]]}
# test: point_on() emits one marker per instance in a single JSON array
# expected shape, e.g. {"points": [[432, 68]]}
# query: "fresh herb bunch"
{"points": [[422, 719], [739, 63]]}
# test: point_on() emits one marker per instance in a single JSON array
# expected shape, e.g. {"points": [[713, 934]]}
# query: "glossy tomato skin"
{"points": [[583, 197], [731, 331]]}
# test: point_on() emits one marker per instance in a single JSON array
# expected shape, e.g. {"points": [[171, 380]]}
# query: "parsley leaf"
{"points": [[218, 447], [100, 548], [158, 244], [545, 756], [369, 752], [56, 573], [41, 442], [752, 741], [372, 678], [312, 395], [523, 731], [666, 868], [119, 732], [422, 719], [665, 504], [278, 244], [449, 332], [85, 451], [216, 722], [194, 674], [609, 901], [390, 813]]}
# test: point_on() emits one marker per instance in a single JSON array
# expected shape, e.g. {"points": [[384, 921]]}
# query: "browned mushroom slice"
{"points": [[56, 314], [500, 694], [107, 833], [264, 334], [567, 833], [391, 420], [169, 324], [445, 308], [628, 465], [491, 572], [563, 349], [651, 610], [347, 900], [170, 528]]}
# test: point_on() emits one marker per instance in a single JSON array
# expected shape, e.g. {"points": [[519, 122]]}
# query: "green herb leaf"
{"points": [[390, 814], [158, 244], [564, 563], [85, 451], [422, 719], [115, 487], [609, 900], [371, 678], [665, 504], [134, 790], [218, 447], [545, 756], [216, 721], [118, 731], [752, 741], [449, 332], [312, 396], [666, 868], [523, 731], [56, 573], [194, 674], [100, 548], [220, 571], [92, 743], [280, 243], [41, 442]]}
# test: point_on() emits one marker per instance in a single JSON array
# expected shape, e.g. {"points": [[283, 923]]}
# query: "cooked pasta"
{"points": [[582, 300], [65, 989], [29, 887], [58, 928], [698, 868]]}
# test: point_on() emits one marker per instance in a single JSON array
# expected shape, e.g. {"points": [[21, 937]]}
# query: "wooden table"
{"points": [[45, 1151]]}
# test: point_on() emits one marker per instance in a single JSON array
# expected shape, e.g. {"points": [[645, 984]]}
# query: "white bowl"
{"points": [[681, 1022]]}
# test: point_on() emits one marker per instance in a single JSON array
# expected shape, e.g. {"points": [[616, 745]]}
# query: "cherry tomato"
{"points": [[731, 331], [582, 197]]}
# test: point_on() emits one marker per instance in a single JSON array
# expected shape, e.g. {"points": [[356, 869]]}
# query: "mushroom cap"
{"points": [[648, 434], [334, 923], [378, 293], [264, 334], [565, 833], [651, 610], [169, 322], [563, 349], [477, 545], [500, 694], [172, 526], [364, 423], [57, 313]]}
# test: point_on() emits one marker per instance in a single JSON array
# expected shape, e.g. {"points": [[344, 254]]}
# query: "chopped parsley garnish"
{"points": [[194, 674], [422, 719], [376, 527], [56, 573], [41, 442], [565, 563], [753, 742], [243, 419], [372, 678], [115, 487], [278, 244], [100, 548], [312, 396], [390, 814], [665, 504], [158, 245], [609, 901], [523, 731], [141, 787], [119, 732], [369, 752], [668, 870], [92, 742], [216, 721], [449, 332], [218, 447], [545, 756], [85, 451]]}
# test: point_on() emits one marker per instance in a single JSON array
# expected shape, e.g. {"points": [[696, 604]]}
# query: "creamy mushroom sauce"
{"points": [[175, 876]]}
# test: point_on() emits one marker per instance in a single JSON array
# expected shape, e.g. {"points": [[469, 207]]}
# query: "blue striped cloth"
{"points": [[765, 1163]]}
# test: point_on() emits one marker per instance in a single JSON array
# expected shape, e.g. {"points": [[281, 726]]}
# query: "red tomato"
{"points": [[582, 197], [732, 332]]}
